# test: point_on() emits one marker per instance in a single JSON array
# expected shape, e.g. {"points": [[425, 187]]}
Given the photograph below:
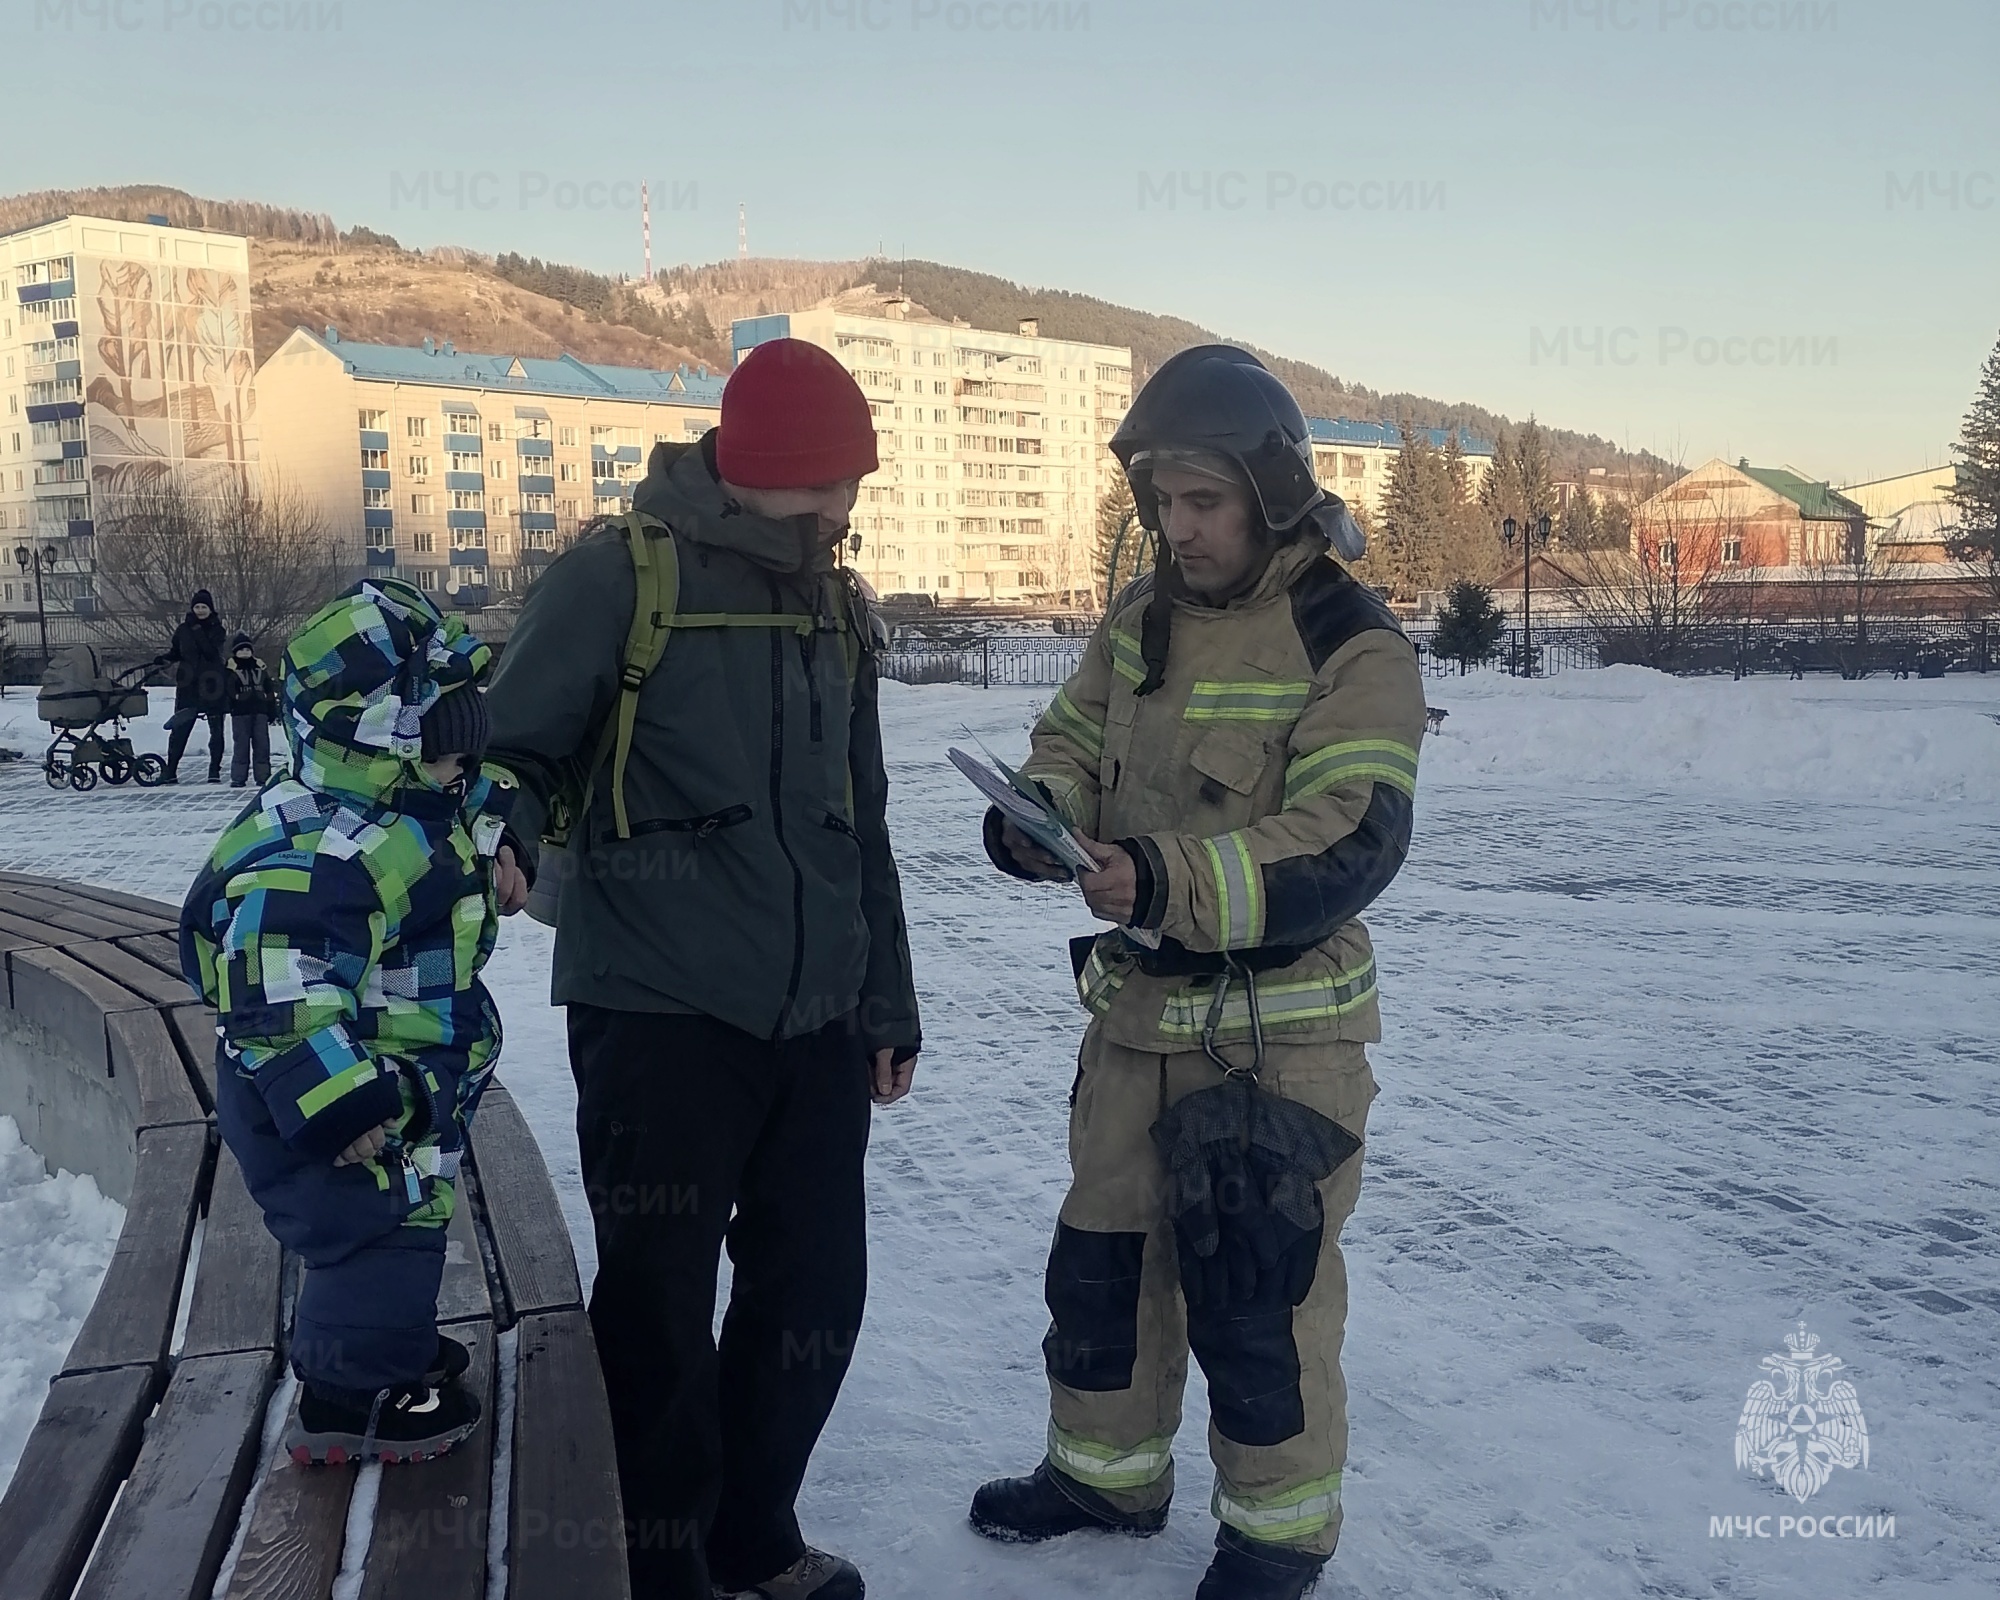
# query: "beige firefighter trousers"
{"points": [[1117, 1349]]}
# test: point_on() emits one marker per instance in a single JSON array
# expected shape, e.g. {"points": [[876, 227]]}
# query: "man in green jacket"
{"points": [[730, 944]]}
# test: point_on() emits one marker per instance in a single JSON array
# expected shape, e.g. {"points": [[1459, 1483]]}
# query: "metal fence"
{"points": [[1039, 660], [1892, 647]]}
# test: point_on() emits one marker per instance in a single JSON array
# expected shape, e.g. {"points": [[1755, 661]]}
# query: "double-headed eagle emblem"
{"points": [[1796, 1424]]}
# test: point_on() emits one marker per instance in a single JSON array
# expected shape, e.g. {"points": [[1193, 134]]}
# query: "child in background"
{"points": [[253, 707], [339, 930]]}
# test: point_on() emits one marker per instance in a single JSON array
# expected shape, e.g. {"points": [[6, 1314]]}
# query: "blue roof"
{"points": [[1345, 430], [564, 375]]}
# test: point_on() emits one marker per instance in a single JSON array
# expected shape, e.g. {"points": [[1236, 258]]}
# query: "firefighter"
{"points": [[1238, 751]]}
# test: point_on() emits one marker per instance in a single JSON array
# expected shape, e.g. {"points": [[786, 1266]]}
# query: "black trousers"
{"points": [[693, 1133], [177, 742]]}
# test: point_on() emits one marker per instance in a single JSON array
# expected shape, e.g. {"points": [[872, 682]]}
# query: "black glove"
{"points": [[1243, 1173]]}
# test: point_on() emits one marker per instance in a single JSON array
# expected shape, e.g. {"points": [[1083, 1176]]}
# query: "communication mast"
{"points": [[742, 233], [646, 229]]}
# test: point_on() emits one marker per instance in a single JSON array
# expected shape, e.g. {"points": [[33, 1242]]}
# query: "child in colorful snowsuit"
{"points": [[339, 930]]}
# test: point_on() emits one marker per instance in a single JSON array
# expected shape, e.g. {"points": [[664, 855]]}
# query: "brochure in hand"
{"points": [[1022, 804]]}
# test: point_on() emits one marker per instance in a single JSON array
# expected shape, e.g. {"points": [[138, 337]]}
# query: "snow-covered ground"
{"points": [[56, 1234], [1691, 1035]]}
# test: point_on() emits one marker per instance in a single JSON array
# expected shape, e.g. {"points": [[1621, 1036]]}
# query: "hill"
{"points": [[306, 271]]}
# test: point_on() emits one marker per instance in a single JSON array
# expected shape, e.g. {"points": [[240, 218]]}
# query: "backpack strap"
{"points": [[655, 614]]}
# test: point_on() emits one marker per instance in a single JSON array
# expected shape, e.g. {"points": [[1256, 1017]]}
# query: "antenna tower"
{"points": [[742, 234], [646, 229]]}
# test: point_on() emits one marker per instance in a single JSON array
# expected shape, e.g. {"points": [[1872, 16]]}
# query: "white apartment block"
{"points": [[992, 448], [463, 473], [125, 355]]}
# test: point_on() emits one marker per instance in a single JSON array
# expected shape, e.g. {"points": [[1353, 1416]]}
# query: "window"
{"points": [[532, 428], [497, 467], [467, 500], [567, 509], [417, 427], [1670, 553], [427, 579], [423, 541], [469, 538], [373, 421], [374, 461], [538, 502], [569, 472], [420, 466], [375, 499], [494, 432], [464, 461], [695, 427], [461, 422], [423, 505], [566, 436], [1732, 552], [603, 434], [381, 538], [499, 506], [1352, 466]]}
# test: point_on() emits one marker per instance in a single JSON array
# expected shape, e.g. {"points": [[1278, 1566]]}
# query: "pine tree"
{"points": [[1977, 492], [1469, 625], [1582, 528], [1533, 479], [1500, 489], [1115, 516]]}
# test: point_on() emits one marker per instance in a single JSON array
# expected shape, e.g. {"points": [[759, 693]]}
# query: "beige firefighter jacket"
{"points": [[1265, 792]]}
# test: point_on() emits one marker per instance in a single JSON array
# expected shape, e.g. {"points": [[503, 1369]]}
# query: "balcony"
{"points": [[465, 443], [471, 596], [472, 482], [382, 556], [468, 557]]}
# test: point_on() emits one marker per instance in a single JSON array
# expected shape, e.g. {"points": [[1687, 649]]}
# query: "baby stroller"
{"points": [[77, 700]]}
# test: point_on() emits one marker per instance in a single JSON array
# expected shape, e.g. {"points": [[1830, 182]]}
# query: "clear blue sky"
{"points": [[1727, 182]]}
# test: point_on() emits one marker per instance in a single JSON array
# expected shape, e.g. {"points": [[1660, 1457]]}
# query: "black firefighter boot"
{"points": [[1047, 1505], [1245, 1570]]}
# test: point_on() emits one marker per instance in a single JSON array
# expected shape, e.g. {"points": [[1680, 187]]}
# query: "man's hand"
{"points": [[1112, 890], [1029, 856], [365, 1148], [510, 883], [891, 1082]]}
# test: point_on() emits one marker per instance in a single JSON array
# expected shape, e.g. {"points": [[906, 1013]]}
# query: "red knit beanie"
{"points": [[792, 418]]}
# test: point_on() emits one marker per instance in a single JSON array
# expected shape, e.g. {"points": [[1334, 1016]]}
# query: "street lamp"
{"points": [[1534, 536], [40, 559]]}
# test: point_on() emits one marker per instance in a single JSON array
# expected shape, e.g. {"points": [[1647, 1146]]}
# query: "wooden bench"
{"points": [[152, 1458]]}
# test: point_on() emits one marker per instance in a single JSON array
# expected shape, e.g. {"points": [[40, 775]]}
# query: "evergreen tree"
{"points": [[1977, 492], [1533, 479], [1500, 489], [1115, 516], [1469, 625], [1582, 528]]}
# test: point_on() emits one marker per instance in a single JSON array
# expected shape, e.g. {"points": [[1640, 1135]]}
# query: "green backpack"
{"points": [[655, 614]]}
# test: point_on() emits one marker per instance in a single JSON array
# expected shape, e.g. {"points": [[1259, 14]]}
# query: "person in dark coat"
{"points": [[253, 707], [199, 656]]}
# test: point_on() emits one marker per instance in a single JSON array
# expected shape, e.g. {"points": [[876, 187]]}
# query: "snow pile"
{"points": [[56, 1236], [1878, 740]]}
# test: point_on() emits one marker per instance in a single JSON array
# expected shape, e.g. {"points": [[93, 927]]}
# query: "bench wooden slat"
{"points": [[161, 951], [141, 907], [193, 1028], [141, 977], [293, 1546], [239, 1282], [519, 1206], [68, 921], [431, 1520], [82, 1446], [463, 1295], [565, 1525], [131, 1322], [141, 1046], [168, 1534], [58, 992]]}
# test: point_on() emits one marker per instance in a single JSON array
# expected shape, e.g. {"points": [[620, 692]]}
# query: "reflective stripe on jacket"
{"points": [[1265, 790]]}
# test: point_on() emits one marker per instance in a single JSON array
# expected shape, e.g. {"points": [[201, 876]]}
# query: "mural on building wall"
{"points": [[174, 379]]}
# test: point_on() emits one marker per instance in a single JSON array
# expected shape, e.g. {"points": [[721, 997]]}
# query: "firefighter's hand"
{"points": [[365, 1148], [510, 883], [1029, 856], [1112, 890], [888, 1082]]}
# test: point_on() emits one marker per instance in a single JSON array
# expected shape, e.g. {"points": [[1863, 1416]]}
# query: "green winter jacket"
{"points": [[757, 885]]}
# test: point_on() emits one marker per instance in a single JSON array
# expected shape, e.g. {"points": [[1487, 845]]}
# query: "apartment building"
{"points": [[992, 447], [1352, 459], [465, 473], [125, 355]]}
